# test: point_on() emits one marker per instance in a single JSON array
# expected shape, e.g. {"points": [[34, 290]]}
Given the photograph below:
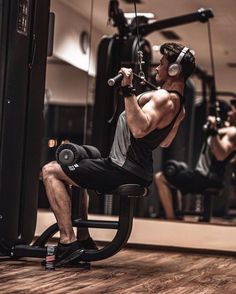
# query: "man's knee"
{"points": [[159, 177], [52, 171], [49, 170]]}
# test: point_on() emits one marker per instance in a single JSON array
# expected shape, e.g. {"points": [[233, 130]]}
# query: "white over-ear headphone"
{"points": [[175, 68]]}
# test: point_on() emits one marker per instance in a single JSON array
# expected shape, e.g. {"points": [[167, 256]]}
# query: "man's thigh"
{"points": [[188, 181], [99, 174]]}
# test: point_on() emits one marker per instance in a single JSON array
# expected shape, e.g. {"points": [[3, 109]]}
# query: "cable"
{"points": [[139, 51], [137, 25], [213, 100], [211, 48]]}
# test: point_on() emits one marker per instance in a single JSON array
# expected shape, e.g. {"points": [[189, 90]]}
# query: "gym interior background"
{"points": [[72, 60], [80, 108]]}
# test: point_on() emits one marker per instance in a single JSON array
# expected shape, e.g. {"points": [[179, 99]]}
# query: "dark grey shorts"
{"points": [[100, 174], [192, 181]]}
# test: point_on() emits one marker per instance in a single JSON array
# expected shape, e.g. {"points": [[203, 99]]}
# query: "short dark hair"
{"points": [[171, 52], [233, 102]]}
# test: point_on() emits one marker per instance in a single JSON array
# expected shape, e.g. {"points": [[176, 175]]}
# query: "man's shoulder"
{"points": [[162, 93], [161, 96], [232, 133]]}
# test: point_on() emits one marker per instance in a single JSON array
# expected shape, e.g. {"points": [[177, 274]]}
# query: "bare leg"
{"points": [[165, 194], [83, 233], [179, 200], [59, 199]]}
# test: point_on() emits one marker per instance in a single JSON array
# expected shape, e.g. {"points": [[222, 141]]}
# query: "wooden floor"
{"points": [[129, 271]]}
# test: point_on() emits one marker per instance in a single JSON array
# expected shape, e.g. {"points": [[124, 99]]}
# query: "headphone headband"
{"points": [[181, 55]]}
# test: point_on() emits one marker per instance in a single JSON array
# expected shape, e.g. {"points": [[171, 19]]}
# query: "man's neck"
{"points": [[170, 85]]}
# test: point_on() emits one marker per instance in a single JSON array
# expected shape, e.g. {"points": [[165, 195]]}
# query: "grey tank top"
{"points": [[135, 154], [207, 163]]}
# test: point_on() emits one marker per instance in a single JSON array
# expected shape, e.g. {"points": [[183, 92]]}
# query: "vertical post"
{"points": [[207, 205]]}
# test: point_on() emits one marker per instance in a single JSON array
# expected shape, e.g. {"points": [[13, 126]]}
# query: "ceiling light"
{"points": [[131, 15], [156, 47]]}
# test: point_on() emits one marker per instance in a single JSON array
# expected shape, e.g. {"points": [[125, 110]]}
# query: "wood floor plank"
{"points": [[129, 271]]}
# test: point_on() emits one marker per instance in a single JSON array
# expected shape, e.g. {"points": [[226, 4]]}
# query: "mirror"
{"points": [[71, 74]]}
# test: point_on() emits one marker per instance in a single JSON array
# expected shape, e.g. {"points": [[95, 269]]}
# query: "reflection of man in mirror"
{"points": [[217, 152]]}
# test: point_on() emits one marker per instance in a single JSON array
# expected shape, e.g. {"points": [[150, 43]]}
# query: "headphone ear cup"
{"points": [[174, 69]]}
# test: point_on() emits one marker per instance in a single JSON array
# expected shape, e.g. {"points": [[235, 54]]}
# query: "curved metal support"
{"points": [[121, 237]]}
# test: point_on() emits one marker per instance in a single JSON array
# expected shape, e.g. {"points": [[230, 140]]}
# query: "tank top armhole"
{"points": [[182, 99]]}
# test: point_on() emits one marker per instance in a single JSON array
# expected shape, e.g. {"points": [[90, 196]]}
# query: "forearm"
{"points": [[219, 149]]}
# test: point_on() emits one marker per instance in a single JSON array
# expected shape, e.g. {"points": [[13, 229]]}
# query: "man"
{"points": [[149, 120], [209, 172]]}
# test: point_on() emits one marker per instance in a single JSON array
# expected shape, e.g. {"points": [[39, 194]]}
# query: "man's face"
{"points": [[162, 70]]}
